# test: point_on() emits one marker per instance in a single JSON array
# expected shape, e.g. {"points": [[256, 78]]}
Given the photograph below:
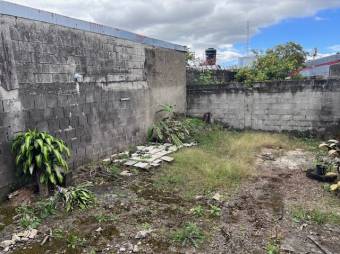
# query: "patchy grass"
{"points": [[189, 234], [273, 247], [319, 217], [221, 161]]}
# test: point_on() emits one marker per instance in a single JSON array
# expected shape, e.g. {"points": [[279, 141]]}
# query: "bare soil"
{"points": [[256, 213]]}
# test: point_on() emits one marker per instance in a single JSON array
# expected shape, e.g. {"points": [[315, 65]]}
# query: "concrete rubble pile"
{"points": [[147, 157]]}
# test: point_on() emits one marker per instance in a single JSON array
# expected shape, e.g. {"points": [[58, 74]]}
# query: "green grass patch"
{"points": [[221, 161], [300, 214], [273, 247], [189, 234]]}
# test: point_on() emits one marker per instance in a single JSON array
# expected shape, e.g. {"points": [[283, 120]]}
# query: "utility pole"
{"points": [[248, 38]]}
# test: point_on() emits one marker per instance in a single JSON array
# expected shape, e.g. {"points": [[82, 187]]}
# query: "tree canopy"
{"points": [[276, 63]]}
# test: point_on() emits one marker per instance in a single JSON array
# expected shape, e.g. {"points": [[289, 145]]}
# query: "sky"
{"points": [[221, 24]]}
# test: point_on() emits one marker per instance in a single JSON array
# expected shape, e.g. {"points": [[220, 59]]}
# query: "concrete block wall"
{"points": [[305, 106], [109, 108]]}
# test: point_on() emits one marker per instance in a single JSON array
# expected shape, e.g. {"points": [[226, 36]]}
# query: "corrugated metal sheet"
{"points": [[11, 9]]}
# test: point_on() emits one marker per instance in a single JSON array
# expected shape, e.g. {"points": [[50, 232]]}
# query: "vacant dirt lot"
{"points": [[233, 193]]}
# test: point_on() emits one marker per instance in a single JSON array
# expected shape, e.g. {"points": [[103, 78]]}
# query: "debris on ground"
{"points": [[147, 157]]}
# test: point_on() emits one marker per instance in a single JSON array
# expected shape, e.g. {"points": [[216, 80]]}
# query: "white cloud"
{"points": [[199, 23], [318, 18], [335, 48]]}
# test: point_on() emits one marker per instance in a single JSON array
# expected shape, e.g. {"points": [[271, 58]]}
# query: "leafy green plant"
{"points": [[41, 155], [273, 247], [76, 196], [47, 207], [114, 170], [206, 77], [170, 129], [197, 211], [215, 211], [74, 241], [58, 233], [190, 234], [27, 217]]}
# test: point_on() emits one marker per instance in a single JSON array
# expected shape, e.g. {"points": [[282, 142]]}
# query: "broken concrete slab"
{"points": [[142, 165], [167, 158], [130, 163]]}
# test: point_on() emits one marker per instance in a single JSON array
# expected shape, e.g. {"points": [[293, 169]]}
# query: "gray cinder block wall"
{"points": [[311, 106], [121, 84]]}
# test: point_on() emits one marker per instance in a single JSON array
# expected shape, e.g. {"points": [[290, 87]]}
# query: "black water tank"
{"points": [[210, 55]]}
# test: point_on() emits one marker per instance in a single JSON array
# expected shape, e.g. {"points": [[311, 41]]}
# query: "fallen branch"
{"points": [[323, 249], [45, 240]]}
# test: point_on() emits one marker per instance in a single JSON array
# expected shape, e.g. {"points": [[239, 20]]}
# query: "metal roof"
{"points": [[17, 10]]}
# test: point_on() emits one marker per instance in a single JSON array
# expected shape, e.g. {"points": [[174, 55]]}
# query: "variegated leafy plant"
{"points": [[42, 156]]}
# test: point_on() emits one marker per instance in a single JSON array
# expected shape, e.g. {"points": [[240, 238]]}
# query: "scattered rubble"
{"points": [[18, 237], [146, 157]]}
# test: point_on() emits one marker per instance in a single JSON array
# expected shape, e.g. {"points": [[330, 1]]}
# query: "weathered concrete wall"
{"points": [[306, 106], [109, 109]]}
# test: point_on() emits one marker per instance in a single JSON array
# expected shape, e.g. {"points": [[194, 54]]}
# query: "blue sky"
{"points": [[321, 31]]}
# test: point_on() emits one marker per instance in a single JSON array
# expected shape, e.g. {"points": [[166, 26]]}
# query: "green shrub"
{"points": [[41, 155], [27, 217], [76, 197], [171, 131], [190, 234]]}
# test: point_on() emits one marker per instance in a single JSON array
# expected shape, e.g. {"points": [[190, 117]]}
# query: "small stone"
{"points": [[99, 229], [217, 197], [143, 234], [107, 160], [122, 249], [7, 243], [15, 238], [187, 144], [199, 197], [135, 249], [167, 158], [33, 233], [125, 173]]}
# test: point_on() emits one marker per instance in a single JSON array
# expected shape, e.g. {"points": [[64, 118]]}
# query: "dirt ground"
{"points": [[257, 213]]}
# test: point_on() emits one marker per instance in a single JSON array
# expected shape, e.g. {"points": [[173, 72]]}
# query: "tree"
{"points": [[275, 64], [189, 56]]}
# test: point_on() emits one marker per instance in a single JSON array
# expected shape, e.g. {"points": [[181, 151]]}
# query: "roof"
{"points": [[11, 9]]}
